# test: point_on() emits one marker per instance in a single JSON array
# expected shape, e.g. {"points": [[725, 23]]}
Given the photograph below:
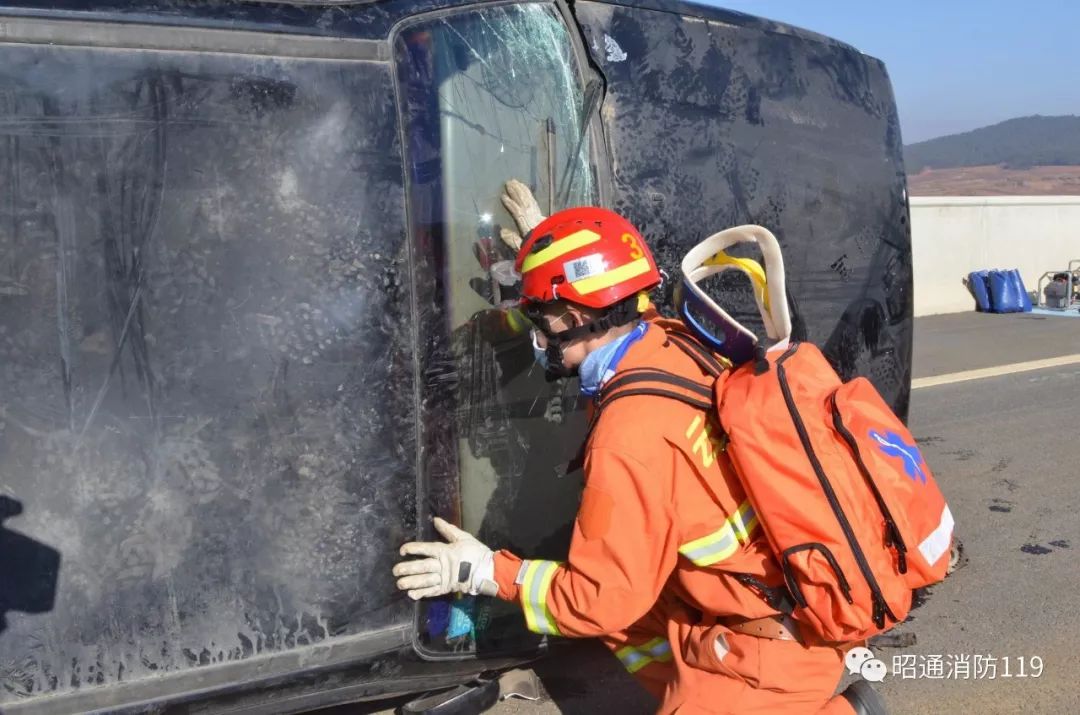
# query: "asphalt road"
{"points": [[970, 341], [1005, 451]]}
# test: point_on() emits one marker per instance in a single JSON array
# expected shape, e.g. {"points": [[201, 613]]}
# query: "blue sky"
{"points": [[955, 65]]}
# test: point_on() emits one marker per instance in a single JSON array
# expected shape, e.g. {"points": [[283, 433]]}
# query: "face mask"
{"points": [[595, 367], [599, 365], [540, 354]]}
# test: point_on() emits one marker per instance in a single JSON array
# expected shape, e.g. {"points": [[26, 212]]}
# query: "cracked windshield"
{"points": [[495, 106]]}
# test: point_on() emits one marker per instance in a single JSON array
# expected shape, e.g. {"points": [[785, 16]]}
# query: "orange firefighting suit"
{"points": [[664, 526]]}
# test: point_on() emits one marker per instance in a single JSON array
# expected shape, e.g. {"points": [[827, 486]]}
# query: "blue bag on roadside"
{"points": [[1025, 299], [977, 284], [1004, 296]]}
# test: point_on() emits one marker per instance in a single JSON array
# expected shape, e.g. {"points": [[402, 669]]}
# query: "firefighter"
{"points": [[668, 565]]}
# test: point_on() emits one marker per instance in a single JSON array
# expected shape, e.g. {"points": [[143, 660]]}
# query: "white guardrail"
{"points": [[953, 235]]}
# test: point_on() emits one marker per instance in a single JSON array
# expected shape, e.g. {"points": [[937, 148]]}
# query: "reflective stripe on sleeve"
{"points": [[711, 548], [722, 543], [744, 520], [534, 594], [658, 650]]}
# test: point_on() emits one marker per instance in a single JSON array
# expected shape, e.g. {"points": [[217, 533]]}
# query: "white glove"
{"points": [[512, 239], [522, 207], [463, 565]]}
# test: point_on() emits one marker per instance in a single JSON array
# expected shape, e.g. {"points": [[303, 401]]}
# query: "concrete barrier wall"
{"points": [[952, 236]]}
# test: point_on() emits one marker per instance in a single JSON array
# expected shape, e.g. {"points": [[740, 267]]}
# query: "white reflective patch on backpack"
{"points": [[933, 547]]}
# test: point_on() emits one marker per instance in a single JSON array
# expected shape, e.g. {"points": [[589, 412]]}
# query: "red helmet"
{"points": [[586, 255]]}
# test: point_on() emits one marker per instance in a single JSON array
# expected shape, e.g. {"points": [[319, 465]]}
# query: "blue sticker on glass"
{"points": [[461, 618], [893, 445], [438, 617]]}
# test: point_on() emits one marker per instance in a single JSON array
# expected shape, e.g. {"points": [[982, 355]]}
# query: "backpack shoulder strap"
{"points": [[644, 381], [655, 382], [711, 364]]}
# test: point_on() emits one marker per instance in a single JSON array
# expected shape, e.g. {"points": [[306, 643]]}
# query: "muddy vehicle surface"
{"points": [[251, 336]]}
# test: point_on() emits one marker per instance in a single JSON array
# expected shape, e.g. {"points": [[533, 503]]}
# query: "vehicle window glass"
{"points": [[490, 96], [203, 344]]}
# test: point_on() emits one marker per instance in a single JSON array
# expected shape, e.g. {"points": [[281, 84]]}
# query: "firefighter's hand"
{"points": [[462, 565], [522, 207]]}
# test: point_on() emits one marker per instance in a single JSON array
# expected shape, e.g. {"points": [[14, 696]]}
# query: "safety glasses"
{"points": [[542, 322]]}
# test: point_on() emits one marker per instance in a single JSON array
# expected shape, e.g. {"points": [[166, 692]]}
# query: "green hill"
{"points": [[1016, 143]]}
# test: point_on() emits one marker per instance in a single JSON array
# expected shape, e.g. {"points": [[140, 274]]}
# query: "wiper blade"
{"points": [[593, 91]]}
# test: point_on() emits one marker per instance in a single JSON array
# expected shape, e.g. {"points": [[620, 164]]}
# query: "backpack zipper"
{"points": [[881, 607], [894, 537]]}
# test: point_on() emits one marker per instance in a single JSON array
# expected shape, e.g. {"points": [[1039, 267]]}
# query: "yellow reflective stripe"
{"points": [[744, 520], [559, 248], [526, 605], [641, 660], [722, 543], [517, 321], [704, 540], [659, 649], [634, 659], [630, 658], [711, 548], [612, 277], [749, 266], [534, 593]]}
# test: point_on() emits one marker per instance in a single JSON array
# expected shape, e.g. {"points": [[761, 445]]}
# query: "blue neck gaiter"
{"points": [[599, 365]]}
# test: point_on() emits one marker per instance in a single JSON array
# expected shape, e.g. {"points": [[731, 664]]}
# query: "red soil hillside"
{"points": [[996, 181]]}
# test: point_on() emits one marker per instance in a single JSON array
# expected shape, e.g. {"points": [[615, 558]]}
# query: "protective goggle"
{"points": [[540, 321], [710, 322]]}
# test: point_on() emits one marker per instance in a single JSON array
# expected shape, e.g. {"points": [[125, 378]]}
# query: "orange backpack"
{"points": [[840, 488], [848, 505]]}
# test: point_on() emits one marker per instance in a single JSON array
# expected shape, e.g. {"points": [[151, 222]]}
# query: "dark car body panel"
{"points": [[219, 320]]}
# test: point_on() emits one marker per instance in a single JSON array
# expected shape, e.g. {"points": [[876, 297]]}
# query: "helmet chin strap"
{"points": [[555, 368], [620, 315], [555, 342]]}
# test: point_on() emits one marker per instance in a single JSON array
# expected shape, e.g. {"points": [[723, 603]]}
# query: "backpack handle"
{"points": [[709, 258]]}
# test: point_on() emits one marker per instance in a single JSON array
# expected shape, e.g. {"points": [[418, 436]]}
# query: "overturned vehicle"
{"points": [[253, 334]]}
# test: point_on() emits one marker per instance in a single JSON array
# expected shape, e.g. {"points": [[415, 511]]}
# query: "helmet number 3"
{"points": [[635, 250]]}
